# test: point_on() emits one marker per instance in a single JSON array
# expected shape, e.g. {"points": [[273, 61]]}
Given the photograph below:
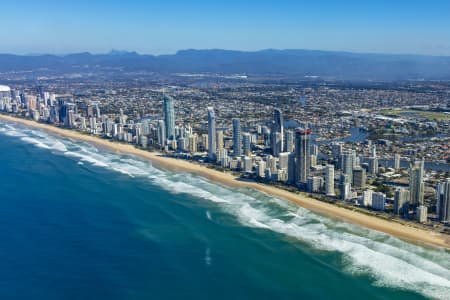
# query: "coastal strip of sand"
{"points": [[405, 232]]}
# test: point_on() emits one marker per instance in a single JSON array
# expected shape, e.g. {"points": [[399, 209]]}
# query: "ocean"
{"points": [[81, 222]]}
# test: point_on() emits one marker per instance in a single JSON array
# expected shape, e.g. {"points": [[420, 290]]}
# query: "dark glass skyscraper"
{"points": [[237, 137], [169, 117], [212, 146], [277, 135], [302, 155], [416, 185], [443, 201]]}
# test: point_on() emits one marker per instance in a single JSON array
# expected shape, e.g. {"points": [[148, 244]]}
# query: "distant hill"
{"points": [[294, 63]]}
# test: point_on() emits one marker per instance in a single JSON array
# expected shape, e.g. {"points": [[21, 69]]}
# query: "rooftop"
{"points": [[4, 88]]}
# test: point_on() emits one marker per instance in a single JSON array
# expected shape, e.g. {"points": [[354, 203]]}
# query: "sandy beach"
{"points": [[411, 234]]}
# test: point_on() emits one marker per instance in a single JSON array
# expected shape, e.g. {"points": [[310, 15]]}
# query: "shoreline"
{"points": [[408, 233]]}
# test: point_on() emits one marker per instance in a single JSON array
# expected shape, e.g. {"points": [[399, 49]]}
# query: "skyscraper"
{"points": [[348, 158], [204, 142], [283, 160], [193, 141], [248, 164], [373, 151], [373, 165], [346, 189], [97, 111], [337, 148], [71, 119], [246, 144], [211, 133], [359, 178], [367, 198], [421, 213], [93, 125], [291, 168], [278, 120], [313, 160], [219, 140], [169, 117], [271, 163], [443, 201], [237, 137], [397, 161], [5, 97], [261, 169], [329, 180], [314, 153], [314, 150], [161, 133], [314, 184], [289, 141], [68, 106], [302, 155], [276, 134], [222, 158], [276, 143], [378, 201], [40, 90], [416, 186], [123, 119], [401, 199]]}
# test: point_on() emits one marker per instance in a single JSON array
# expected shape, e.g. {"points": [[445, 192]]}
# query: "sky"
{"points": [[163, 27]]}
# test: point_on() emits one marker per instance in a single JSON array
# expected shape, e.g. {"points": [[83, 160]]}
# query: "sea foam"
{"points": [[389, 261]]}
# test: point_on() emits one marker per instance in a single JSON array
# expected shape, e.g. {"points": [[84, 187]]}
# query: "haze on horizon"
{"points": [[157, 27]]}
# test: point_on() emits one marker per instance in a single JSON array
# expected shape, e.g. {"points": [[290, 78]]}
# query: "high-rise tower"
{"points": [[277, 134], [329, 180], [397, 161], [169, 117], [211, 133], [348, 159], [401, 200], [443, 201], [302, 155], [161, 133], [246, 144], [289, 141], [416, 186], [237, 137]]}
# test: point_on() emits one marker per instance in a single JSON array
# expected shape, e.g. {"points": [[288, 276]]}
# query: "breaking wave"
{"points": [[391, 262]]}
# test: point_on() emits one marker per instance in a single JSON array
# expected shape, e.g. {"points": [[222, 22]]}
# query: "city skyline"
{"points": [[281, 149], [157, 28], [347, 137], [297, 166]]}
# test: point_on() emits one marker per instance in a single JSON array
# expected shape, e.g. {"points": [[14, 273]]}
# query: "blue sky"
{"points": [[159, 27]]}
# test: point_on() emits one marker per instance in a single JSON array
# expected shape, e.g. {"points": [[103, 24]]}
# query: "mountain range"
{"points": [[290, 63]]}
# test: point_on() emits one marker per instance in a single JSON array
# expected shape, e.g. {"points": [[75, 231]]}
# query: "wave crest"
{"points": [[388, 260]]}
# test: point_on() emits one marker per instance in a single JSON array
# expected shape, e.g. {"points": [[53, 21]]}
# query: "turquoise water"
{"points": [[79, 222]]}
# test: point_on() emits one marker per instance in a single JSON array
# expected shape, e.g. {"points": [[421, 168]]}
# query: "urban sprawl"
{"points": [[380, 150]]}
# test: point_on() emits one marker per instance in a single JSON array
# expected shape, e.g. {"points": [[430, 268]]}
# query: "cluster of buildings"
{"points": [[267, 151]]}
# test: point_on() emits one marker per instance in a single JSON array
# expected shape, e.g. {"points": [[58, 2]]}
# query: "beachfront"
{"points": [[395, 229]]}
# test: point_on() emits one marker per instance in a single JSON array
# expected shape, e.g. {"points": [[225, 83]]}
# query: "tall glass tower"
{"points": [[443, 201], [237, 137], [246, 144], [169, 117], [416, 186], [211, 133], [277, 135], [302, 155]]}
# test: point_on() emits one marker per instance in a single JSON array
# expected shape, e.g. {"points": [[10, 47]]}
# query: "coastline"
{"points": [[408, 233]]}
